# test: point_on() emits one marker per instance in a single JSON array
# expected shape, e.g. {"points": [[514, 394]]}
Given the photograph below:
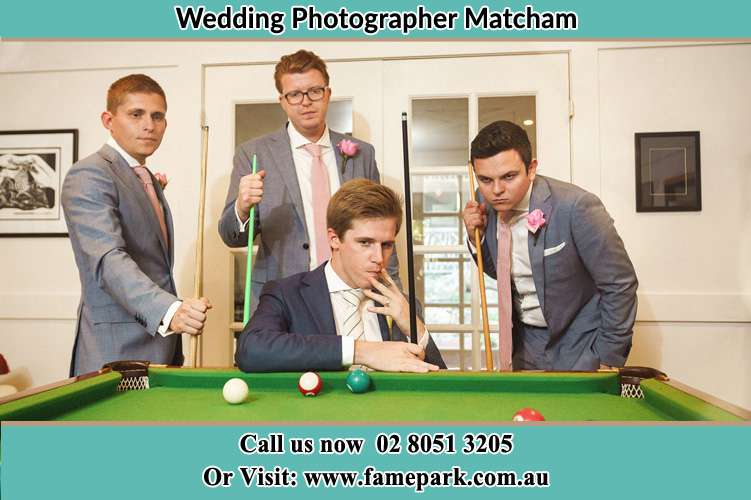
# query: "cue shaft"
{"points": [[198, 277], [249, 257], [481, 278], [410, 252]]}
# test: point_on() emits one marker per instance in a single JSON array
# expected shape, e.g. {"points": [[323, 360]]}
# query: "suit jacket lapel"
{"points": [[315, 294], [126, 174], [281, 155], [167, 220], [344, 175], [540, 199]]}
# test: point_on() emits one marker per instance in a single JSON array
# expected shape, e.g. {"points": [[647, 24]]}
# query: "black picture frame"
{"points": [[668, 171], [33, 164]]}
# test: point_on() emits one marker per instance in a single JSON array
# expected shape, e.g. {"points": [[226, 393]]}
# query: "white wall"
{"points": [[694, 268]]}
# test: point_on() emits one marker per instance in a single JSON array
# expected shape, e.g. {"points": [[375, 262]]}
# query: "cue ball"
{"points": [[309, 384], [235, 391], [528, 415], [358, 381]]}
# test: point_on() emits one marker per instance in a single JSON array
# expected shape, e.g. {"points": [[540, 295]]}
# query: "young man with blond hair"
{"points": [[120, 227], [335, 315], [299, 167]]}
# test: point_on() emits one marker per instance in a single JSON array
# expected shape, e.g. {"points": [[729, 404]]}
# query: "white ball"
{"points": [[235, 391]]}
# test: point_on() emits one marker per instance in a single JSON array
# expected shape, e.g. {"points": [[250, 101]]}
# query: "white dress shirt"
{"points": [[526, 302], [163, 329], [370, 319], [303, 164]]}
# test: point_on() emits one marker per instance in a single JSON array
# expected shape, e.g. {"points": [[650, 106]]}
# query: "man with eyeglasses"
{"points": [[299, 167]]}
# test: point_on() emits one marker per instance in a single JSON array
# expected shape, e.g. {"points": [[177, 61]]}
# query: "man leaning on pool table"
{"points": [[335, 316]]}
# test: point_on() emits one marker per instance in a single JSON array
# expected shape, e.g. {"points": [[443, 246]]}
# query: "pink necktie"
{"points": [[148, 186], [503, 275], [319, 182]]}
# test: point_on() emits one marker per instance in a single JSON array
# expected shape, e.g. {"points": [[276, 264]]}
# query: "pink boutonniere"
{"points": [[161, 179], [348, 149], [535, 220]]}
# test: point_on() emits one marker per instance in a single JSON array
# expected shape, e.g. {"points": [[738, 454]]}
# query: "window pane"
{"points": [[453, 347], [442, 315], [439, 280], [440, 132], [517, 109], [256, 119], [437, 202]]}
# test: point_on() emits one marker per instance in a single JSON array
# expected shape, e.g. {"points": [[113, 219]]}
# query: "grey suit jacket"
{"points": [[284, 248], [124, 264], [586, 283]]}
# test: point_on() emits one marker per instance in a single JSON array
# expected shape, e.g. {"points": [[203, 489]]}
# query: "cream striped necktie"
{"points": [[352, 300]]}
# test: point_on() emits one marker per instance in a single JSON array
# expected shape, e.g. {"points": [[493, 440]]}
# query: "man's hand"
{"points": [[474, 217], [392, 357], [190, 316], [392, 303], [249, 194]]}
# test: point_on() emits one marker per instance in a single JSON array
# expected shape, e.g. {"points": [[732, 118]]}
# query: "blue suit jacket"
{"points": [[293, 329]]}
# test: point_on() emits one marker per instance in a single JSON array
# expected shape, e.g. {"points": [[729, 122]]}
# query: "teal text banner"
{"points": [[363, 20], [372, 461]]}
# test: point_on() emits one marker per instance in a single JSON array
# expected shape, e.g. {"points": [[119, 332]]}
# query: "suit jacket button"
{"points": [[305, 246]]}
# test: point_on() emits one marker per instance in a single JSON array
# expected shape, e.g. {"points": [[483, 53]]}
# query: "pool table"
{"points": [[184, 394]]}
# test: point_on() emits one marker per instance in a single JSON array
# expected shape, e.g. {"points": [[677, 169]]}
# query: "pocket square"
{"points": [[550, 251]]}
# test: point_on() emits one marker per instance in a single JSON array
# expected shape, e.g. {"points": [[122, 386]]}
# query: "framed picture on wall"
{"points": [[668, 172], [33, 164]]}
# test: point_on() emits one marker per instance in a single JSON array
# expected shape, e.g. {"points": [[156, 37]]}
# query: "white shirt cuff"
{"points": [[163, 329], [243, 225], [348, 351], [471, 242], [423, 342]]}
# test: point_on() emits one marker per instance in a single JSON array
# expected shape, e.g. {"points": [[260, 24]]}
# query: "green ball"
{"points": [[358, 381]]}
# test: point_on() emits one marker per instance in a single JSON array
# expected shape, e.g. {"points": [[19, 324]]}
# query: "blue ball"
{"points": [[358, 381]]}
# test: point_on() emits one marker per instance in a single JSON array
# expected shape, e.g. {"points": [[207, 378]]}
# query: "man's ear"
{"points": [[334, 242], [106, 119]]}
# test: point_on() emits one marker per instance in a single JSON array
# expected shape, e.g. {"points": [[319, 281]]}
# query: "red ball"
{"points": [[310, 384], [528, 415]]}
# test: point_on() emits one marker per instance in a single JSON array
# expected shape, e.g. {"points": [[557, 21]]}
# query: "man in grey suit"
{"points": [[120, 228], [574, 287], [286, 190]]}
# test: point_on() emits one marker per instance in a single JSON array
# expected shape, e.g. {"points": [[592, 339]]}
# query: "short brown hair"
{"points": [[299, 62], [362, 199], [132, 84]]}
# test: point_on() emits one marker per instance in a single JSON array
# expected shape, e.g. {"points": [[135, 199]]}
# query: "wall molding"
{"points": [[694, 307]]}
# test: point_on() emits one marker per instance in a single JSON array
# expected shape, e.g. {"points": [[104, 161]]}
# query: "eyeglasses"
{"points": [[297, 96]]}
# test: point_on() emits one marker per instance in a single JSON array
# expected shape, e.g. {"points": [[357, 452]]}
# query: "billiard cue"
{"points": [[198, 277], [481, 278], [249, 259], [408, 223]]}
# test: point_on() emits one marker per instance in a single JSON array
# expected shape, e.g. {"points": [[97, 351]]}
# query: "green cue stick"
{"points": [[249, 260]]}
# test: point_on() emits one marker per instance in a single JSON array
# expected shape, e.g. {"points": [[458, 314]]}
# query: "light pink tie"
{"points": [[148, 186], [319, 182], [503, 276]]}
